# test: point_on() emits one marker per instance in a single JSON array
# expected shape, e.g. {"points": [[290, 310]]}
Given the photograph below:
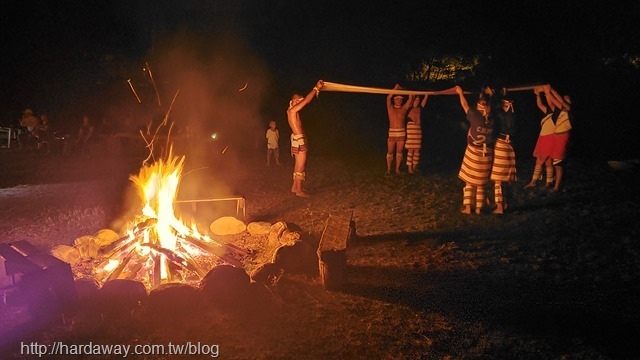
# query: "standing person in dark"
{"points": [[85, 135], [397, 112], [551, 147], [504, 156], [478, 156], [273, 143], [299, 145], [29, 137], [414, 133], [561, 134]]}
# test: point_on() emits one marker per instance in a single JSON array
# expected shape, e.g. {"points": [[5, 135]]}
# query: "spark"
{"points": [[134, 91]]}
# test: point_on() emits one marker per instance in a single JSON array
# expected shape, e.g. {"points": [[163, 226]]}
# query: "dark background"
{"points": [[67, 58]]}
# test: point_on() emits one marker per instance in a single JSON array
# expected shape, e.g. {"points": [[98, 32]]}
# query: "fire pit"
{"points": [[158, 247]]}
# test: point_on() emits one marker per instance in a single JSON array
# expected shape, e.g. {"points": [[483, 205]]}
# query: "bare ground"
{"points": [[554, 278]]}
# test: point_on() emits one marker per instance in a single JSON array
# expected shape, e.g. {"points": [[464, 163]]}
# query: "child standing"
{"points": [[273, 138]]}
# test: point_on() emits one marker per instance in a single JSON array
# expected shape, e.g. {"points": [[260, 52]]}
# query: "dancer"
{"points": [[476, 164], [550, 149], [414, 133], [397, 113], [298, 141], [504, 157], [560, 135]]}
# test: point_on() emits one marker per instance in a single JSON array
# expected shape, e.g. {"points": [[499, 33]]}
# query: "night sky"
{"points": [[71, 57]]}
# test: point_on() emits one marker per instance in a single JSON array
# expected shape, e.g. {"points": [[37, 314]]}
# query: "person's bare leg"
{"points": [[416, 161], [410, 161], [298, 179], [548, 166], [390, 149], [399, 150], [559, 172], [294, 188], [301, 163], [537, 173], [302, 193]]}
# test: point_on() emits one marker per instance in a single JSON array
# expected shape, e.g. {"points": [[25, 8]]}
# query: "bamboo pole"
{"points": [[521, 88], [331, 86]]}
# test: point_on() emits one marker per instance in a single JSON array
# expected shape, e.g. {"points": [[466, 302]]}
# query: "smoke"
{"points": [[220, 83], [208, 85]]}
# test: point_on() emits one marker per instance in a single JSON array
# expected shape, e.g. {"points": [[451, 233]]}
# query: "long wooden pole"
{"points": [[331, 86]]}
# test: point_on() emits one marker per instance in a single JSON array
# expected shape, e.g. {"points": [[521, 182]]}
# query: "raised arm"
{"points": [[409, 103], [390, 95], [537, 90], [559, 100], [424, 100], [555, 101], [463, 100], [307, 99]]}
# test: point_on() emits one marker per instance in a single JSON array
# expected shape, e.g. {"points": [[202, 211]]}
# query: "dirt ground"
{"points": [[556, 277]]}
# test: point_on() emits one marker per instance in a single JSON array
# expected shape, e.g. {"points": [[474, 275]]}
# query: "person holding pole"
{"points": [[478, 156], [414, 133], [397, 112], [503, 169], [299, 145], [551, 147]]}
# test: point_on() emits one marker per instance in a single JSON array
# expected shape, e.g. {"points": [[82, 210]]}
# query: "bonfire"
{"points": [[159, 246]]}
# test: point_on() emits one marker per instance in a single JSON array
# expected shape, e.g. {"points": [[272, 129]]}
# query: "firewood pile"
{"points": [[236, 257]]}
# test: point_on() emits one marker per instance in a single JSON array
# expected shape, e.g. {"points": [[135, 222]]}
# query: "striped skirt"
{"points": [[476, 165], [414, 136], [504, 162]]}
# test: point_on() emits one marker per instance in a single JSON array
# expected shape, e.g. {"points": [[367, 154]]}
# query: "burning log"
{"points": [[173, 257], [217, 252], [156, 275], [240, 251], [118, 270], [133, 272], [196, 268], [117, 245]]}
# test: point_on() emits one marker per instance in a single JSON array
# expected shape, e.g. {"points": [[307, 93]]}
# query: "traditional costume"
{"points": [[504, 156], [476, 164], [545, 146], [561, 137], [414, 142], [298, 143], [397, 134]]}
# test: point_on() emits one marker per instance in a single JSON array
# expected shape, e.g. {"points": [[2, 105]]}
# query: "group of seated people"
{"points": [[37, 133]]}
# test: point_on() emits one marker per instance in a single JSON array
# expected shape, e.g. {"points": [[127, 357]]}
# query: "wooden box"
{"points": [[332, 249], [37, 278]]}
